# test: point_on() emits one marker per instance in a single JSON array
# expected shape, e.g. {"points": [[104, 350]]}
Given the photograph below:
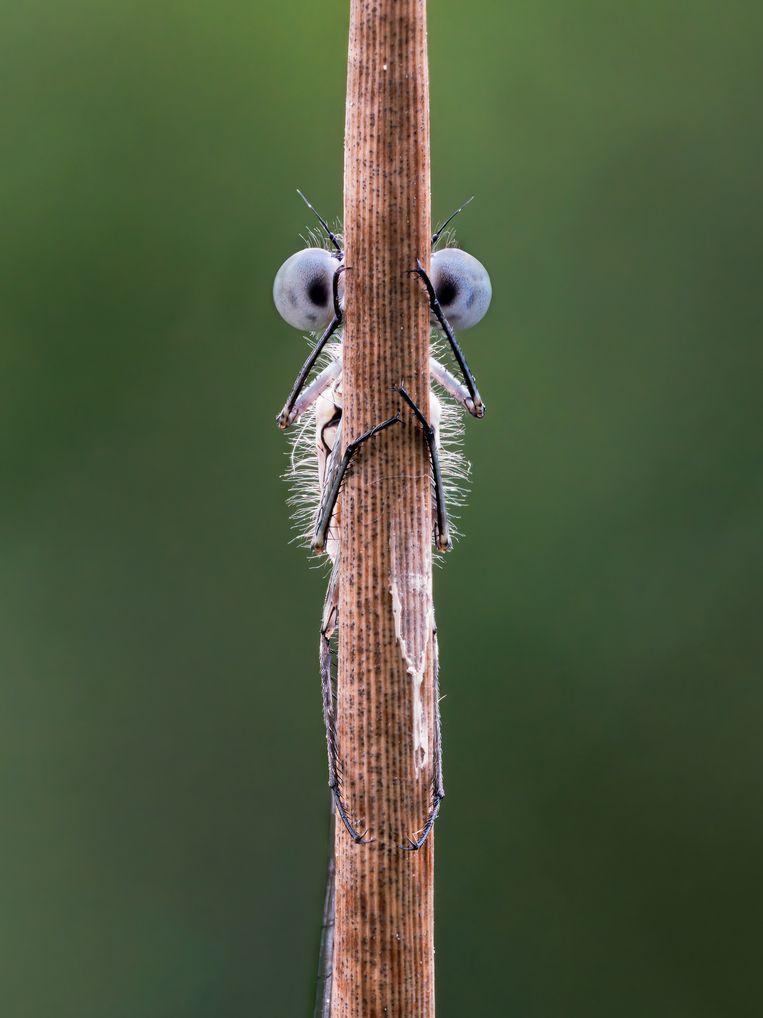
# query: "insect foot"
{"points": [[444, 542], [359, 839], [283, 420], [414, 844], [477, 410]]}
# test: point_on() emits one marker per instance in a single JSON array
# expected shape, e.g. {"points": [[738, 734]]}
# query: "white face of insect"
{"points": [[462, 286], [303, 289]]}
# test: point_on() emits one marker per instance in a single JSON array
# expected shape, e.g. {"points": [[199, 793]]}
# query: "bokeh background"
{"points": [[163, 771]]}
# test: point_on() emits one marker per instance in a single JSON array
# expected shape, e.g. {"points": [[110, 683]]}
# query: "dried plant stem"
{"points": [[384, 942]]}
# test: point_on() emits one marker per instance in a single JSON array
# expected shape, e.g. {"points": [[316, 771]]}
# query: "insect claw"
{"points": [[444, 542], [318, 545], [414, 844], [359, 839], [477, 409]]}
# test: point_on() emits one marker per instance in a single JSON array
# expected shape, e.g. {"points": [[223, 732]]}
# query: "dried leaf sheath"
{"points": [[384, 951]]}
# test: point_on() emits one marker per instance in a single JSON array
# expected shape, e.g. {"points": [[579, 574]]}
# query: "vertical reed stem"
{"points": [[384, 938]]}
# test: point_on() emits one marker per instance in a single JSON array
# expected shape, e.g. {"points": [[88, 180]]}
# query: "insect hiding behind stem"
{"points": [[308, 293]]}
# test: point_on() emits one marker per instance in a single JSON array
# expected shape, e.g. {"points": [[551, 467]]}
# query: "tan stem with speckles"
{"points": [[384, 940]]}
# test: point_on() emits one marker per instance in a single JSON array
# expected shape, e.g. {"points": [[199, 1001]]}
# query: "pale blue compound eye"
{"points": [[462, 286], [303, 289]]}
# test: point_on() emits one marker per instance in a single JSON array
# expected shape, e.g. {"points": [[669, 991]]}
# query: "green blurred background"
{"points": [[163, 771]]}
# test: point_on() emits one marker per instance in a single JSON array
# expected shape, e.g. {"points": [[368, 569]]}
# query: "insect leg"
{"points": [[326, 950], [476, 407], [438, 788], [331, 491], [285, 417], [443, 540], [440, 374], [315, 389], [328, 627]]}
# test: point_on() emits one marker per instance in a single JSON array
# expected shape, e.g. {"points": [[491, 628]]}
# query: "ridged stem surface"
{"points": [[384, 936]]}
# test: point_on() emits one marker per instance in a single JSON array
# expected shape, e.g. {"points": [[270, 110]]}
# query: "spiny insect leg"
{"points": [[442, 536], [286, 416], [331, 491], [438, 788], [357, 837], [477, 407], [328, 627]]}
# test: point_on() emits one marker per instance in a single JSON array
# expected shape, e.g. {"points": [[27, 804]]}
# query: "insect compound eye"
{"points": [[462, 286], [303, 289]]}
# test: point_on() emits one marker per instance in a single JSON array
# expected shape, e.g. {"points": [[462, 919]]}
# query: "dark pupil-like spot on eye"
{"points": [[447, 292], [318, 292]]}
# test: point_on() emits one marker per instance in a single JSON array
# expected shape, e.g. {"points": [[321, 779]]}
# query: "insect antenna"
{"points": [[438, 232], [329, 233]]}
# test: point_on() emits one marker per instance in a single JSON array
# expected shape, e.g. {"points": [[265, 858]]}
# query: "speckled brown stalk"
{"points": [[384, 940]]}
